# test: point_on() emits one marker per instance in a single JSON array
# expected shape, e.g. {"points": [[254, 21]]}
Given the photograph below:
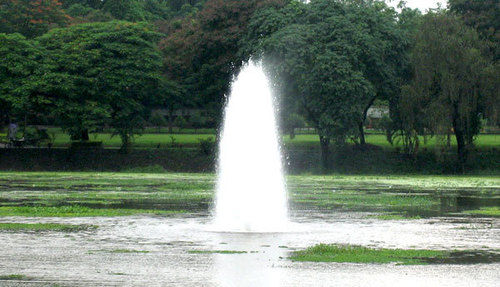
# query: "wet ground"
{"points": [[164, 251], [459, 214]]}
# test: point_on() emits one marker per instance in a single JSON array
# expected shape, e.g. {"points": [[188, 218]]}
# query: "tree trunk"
{"points": [[84, 136], [125, 143], [459, 134], [325, 152], [448, 139], [171, 121], [362, 140]]}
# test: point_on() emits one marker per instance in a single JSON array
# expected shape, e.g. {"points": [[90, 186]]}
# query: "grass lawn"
{"points": [[81, 194], [149, 140]]}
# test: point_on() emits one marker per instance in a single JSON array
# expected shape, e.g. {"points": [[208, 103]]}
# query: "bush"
{"points": [[157, 120], [207, 146], [180, 122]]}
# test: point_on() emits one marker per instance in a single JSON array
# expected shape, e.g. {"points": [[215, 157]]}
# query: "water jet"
{"points": [[251, 194]]}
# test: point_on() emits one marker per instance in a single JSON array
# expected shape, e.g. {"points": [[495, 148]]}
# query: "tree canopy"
{"points": [[333, 57], [113, 68], [448, 89], [31, 18]]}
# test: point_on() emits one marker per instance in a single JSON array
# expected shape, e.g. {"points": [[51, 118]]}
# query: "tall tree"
{"points": [[114, 71], [31, 17], [483, 15], [20, 61], [333, 57], [448, 89], [201, 51]]}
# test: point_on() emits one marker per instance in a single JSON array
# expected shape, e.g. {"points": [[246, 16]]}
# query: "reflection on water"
{"points": [[255, 268]]}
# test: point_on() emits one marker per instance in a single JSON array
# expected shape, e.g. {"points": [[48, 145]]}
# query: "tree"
{"points": [[180, 122], [31, 18], [291, 122], [157, 120], [201, 51], [333, 57], [482, 15], [22, 78], [447, 90], [113, 69], [196, 121]]}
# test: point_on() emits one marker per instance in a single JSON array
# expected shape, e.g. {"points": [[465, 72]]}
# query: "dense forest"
{"points": [[94, 64]]}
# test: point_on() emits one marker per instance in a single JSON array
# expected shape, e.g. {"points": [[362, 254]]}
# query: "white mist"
{"points": [[251, 194]]}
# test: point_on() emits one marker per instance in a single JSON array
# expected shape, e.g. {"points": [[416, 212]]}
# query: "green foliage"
{"points": [[23, 77], [31, 18], [291, 122], [196, 121], [180, 122], [111, 76], [482, 15], [207, 146], [201, 51], [158, 120], [439, 99], [332, 57]]}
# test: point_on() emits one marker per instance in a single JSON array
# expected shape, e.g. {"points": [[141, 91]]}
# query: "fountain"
{"points": [[251, 194]]}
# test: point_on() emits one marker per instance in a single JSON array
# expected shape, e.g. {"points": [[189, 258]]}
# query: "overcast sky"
{"points": [[423, 5]]}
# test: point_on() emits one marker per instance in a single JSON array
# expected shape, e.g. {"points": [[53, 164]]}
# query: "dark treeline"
{"points": [[89, 65]]}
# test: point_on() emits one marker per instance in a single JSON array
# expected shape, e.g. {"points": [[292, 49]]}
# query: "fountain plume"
{"points": [[251, 194]]}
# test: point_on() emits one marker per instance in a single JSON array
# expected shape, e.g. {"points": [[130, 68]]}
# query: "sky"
{"points": [[423, 5]]}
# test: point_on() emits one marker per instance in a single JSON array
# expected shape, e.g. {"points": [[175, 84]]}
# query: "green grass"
{"points": [[74, 211], [44, 227], [394, 217], [216, 252], [13, 277], [151, 139], [122, 251], [359, 254], [485, 211], [67, 194]]}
